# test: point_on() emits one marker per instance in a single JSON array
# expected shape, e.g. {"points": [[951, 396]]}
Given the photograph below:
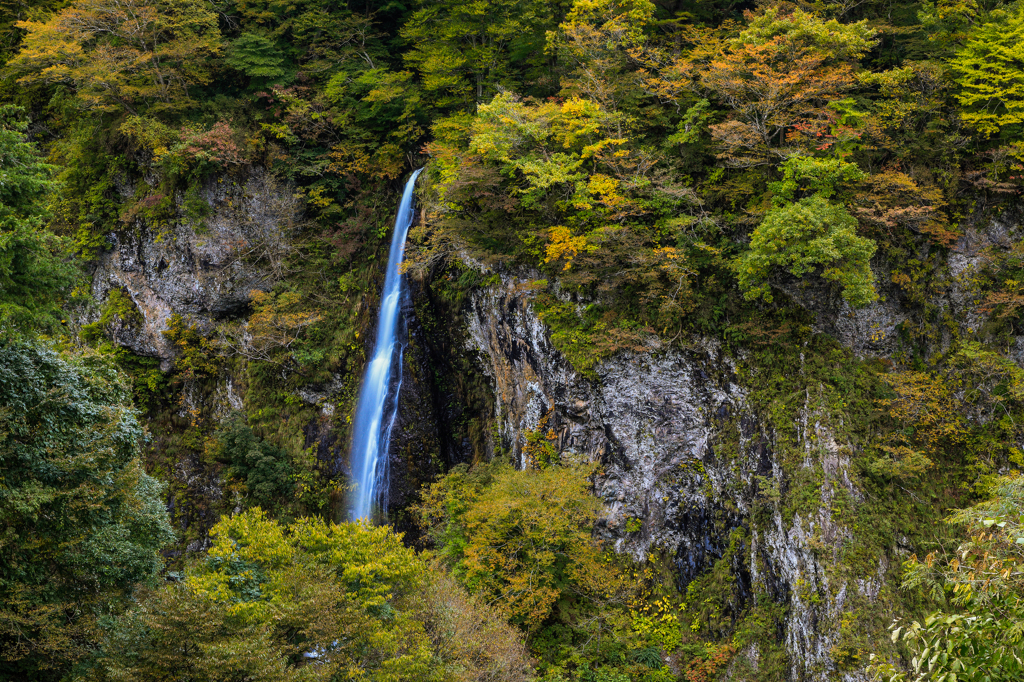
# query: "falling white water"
{"points": [[372, 428]]}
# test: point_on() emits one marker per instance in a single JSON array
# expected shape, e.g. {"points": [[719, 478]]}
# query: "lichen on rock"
{"points": [[685, 462]]}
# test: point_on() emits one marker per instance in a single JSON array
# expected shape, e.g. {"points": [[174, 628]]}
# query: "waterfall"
{"points": [[372, 428]]}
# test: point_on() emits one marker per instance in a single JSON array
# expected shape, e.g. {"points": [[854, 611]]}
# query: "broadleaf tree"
{"points": [[129, 55], [81, 522], [34, 275]]}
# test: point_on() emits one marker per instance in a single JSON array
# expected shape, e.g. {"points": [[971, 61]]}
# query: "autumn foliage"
{"points": [[131, 54], [816, 200]]}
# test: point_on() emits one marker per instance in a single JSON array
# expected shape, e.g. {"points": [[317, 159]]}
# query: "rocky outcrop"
{"points": [[934, 289], [685, 464], [200, 258], [981, 239], [200, 267]]}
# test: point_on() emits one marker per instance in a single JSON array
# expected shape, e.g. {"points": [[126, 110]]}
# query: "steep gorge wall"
{"points": [[684, 455], [689, 467], [926, 300], [201, 259], [687, 460]]}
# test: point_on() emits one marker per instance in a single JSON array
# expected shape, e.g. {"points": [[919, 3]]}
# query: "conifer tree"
{"points": [[33, 274]]}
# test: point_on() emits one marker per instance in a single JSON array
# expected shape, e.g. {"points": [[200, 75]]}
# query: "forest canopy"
{"points": [[818, 199]]}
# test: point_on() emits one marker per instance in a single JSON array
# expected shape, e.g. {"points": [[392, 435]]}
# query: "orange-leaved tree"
{"points": [[965, 416], [778, 77], [596, 40]]}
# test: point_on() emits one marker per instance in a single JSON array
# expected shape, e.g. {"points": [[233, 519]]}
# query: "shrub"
{"points": [[808, 236], [262, 466]]}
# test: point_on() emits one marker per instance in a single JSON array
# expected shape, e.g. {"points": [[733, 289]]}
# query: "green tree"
{"points": [[308, 601], [261, 466], [257, 57], [989, 69], [33, 273], [80, 521], [803, 175], [468, 51], [520, 538], [322, 36], [982, 638], [809, 236]]}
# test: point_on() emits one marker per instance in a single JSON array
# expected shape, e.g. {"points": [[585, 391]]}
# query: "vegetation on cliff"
{"points": [[655, 172]]}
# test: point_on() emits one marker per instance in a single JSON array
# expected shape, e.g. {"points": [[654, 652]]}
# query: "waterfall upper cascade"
{"points": [[375, 414]]}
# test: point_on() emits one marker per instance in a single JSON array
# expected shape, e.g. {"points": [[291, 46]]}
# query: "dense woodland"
{"points": [[668, 170]]}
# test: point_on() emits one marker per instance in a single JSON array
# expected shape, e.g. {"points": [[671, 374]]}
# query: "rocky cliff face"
{"points": [[200, 267], [931, 290], [689, 469], [201, 262], [685, 464], [203, 265]]}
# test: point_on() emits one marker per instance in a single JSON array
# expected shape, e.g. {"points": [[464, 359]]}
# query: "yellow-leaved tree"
{"points": [[310, 601], [568, 155], [122, 54], [520, 538], [596, 40]]}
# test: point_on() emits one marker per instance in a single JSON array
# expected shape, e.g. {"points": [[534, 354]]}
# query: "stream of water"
{"points": [[375, 414]]}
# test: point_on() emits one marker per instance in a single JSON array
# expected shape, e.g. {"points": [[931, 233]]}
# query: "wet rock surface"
{"points": [[415, 447]]}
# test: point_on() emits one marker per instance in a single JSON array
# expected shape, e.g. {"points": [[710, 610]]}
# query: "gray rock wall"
{"points": [[655, 421], [201, 268]]}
